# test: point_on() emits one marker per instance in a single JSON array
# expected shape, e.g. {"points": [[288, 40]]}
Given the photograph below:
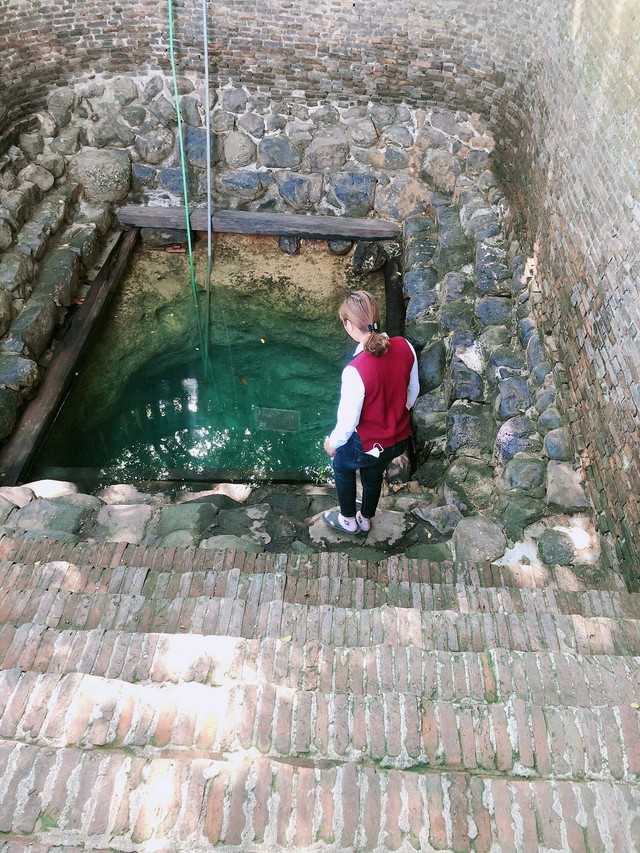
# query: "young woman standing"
{"points": [[379, 387]]}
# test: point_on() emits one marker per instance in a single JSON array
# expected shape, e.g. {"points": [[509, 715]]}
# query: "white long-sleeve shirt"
{"points": [[352, 398]]}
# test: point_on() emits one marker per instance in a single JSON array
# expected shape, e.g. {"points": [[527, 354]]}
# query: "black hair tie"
{"points": [[372, 327]]}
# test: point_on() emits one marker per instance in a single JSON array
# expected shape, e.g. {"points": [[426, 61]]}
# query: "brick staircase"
{"points": [[162, 699]]}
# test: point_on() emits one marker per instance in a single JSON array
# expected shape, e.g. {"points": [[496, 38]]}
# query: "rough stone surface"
{"points": [[104, 175], [123, 523], [556, 548], [558, 445], [516, 435], [51, 514], [192, 518], [240, 150], [478, 539], [565, 488]]}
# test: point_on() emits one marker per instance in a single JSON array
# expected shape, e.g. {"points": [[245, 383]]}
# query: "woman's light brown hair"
{"points": [[362, 309]]}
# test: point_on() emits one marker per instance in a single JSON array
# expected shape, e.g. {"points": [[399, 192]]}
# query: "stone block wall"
{"points": [[556, 80]]}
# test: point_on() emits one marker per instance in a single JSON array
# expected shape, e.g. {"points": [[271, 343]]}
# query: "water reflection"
{"points": [[265, 419]]}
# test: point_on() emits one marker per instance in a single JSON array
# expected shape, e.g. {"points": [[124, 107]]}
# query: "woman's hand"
{"points": [[328, 449]]}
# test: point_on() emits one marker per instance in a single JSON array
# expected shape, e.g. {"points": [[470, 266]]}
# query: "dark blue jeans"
{"points": [[350, 458]]}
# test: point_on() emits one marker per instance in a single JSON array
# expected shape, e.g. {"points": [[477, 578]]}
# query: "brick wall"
{"points": [[558, 81]]}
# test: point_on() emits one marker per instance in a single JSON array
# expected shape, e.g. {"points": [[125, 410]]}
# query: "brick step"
{"points": [[267, 617], [544, 678], [75, 798], [255, 591], [399, 569], [339, 591], [395, 729]]}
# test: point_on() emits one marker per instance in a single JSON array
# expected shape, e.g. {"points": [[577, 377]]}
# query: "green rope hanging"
{"points": [[205, 355]]}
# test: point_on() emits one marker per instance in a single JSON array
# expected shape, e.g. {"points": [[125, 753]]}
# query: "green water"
{"points": [[144, 407], [262, 414]]}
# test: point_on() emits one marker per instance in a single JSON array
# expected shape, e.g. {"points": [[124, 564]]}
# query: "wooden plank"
{"points": [[267, 224], [40, 413]]}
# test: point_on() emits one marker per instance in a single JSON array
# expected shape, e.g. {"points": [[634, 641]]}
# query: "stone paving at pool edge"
{"points": [[404, 705], [280, 518]]}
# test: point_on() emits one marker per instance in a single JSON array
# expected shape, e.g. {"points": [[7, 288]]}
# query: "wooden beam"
{"points": [[267, 224], [39, 414]]}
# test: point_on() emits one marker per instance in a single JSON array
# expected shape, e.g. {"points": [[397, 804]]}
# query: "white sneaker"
{"points": [[363, 523]]}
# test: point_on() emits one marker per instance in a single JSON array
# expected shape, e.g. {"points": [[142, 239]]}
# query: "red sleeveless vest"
{"points": [[385, 418]]}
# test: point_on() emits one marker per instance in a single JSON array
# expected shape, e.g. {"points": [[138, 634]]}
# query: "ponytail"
{"points": [[362, 309]]}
